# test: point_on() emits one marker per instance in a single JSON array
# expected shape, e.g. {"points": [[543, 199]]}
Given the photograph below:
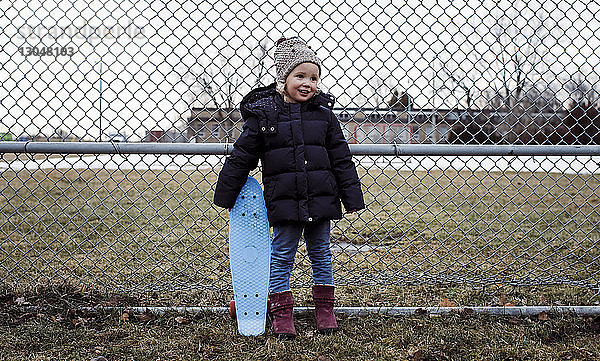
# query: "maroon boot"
{"points": [[323, 297], [282, 307]]}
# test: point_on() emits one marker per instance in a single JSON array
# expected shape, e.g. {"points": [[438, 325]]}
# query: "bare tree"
{"points": [[260, 54], [583, 119], [219, 80], [399, 101], [458, 80], [581, 91], [218, 83], [381, 84], [214, 83], [541, 97], [518, 51], [498, 78], [376, 84], [506, 77]]}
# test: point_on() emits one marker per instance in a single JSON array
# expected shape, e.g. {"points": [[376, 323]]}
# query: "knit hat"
{"points": [[289, 54]]}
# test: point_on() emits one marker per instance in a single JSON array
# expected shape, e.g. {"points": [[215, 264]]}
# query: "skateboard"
{"points": [[250, 259]]}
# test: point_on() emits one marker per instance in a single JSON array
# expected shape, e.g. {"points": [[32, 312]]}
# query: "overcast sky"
{"points": [[149, 62]]}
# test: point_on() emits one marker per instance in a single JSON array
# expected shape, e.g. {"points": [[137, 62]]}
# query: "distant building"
{"points": [[212, 125], [374, 126], [403, 126], [161, 136], [385, 126], [503, 127]]}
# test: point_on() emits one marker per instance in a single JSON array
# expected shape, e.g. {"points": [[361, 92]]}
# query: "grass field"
{"points": [[159, 231], [153, 238]]}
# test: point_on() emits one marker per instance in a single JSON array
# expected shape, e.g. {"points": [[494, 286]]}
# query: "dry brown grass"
{"points": [[158, 230]]}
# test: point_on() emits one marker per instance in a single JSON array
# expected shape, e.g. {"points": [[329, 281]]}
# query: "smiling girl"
{"points": [[308, 173]]}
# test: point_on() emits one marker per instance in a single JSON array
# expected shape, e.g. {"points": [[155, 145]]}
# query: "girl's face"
{"points": [[301, 83]]}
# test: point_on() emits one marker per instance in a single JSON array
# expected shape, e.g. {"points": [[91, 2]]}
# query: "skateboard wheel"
{"points": [[232, 308]]}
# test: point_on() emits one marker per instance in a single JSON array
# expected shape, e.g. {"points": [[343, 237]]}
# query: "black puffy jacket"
{"points": [[307, 165]]}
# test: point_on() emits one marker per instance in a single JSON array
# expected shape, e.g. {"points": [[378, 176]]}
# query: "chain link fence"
{"points": [[99, 102]]}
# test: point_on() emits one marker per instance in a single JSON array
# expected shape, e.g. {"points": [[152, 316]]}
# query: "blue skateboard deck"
{"points": [[250, 258]]}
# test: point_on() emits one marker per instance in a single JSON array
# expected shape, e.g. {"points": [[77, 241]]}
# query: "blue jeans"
{"points": [[283, 253]]}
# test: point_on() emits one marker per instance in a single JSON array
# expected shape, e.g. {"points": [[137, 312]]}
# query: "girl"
{"points": [[307, 171]]}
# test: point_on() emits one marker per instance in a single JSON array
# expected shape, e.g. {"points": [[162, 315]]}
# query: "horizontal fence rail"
{"points": [[355, 149], [140, 217]]}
